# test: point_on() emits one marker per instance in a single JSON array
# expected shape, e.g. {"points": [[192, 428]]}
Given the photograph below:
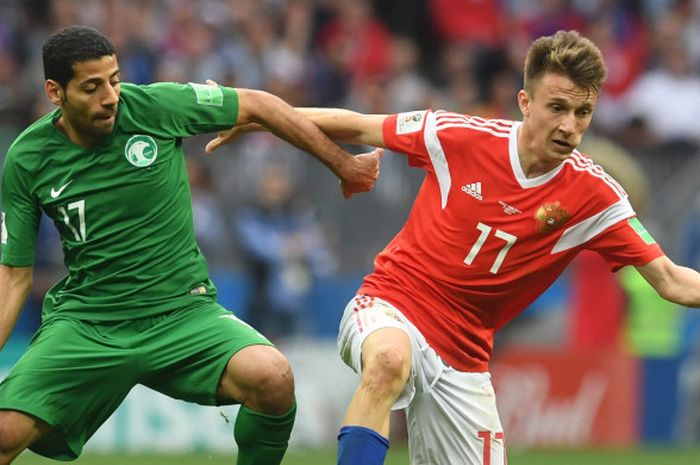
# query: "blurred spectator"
{"points": [[48, 269], [623, 37], [665, 101], [407, 89], [480, 22], [689, 398], [546, 17], [287, 63], [210, 223], [285, 251], [499, 87], [456, 78], [355, 42], [689, 373], [598, 303]]}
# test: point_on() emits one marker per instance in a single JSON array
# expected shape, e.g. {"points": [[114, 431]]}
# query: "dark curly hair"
{"points": [[72, 45]]}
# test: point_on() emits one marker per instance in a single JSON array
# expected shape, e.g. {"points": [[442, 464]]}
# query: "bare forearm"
{"points": [[338, 124], [15, 284], [285, 122], [684, 289], [347, 126], [678, 284]]}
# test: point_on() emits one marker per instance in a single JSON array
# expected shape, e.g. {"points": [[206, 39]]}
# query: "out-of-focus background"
{"points": [[598, 361]]}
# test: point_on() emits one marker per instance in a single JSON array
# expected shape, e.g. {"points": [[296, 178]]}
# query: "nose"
{"points": [[110, 96], [568, 123]]}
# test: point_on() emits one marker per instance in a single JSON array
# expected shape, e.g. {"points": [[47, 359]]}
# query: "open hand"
{"points": [[229, 135]]}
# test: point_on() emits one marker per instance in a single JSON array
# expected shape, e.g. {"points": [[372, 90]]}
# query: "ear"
{"points": [[54, 91], [524, 103]]}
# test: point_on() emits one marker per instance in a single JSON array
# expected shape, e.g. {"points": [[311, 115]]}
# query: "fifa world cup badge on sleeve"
{"points": [[641, 231], [407, 123], [208, 95], [3, 230]]}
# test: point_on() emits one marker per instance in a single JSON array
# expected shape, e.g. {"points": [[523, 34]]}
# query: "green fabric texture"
{"points": [[262, 439]]}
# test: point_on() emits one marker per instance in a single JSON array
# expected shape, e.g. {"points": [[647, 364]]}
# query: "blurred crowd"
{"points": [[266, 211], [374, 56]]}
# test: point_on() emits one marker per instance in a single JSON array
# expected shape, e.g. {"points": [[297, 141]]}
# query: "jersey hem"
{"points": [[474, 367]]}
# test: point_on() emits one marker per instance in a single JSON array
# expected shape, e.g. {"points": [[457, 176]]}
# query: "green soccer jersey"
{"points": [[123, 207]]}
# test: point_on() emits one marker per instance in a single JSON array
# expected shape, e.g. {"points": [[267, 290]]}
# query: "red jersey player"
{"points": [[504, 207]]}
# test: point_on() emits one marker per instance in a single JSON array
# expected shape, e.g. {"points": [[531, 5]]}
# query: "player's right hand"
{"points": [[362, 173]]}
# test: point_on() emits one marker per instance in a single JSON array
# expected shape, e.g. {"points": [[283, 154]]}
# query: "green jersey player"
{"points": [[137, 306]]}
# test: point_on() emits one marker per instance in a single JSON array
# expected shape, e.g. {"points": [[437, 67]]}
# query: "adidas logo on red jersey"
{"points": [[473, 189]]}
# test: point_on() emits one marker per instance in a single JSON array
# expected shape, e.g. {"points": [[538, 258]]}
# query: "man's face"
{"points": [[89, 103], [557, 116]]}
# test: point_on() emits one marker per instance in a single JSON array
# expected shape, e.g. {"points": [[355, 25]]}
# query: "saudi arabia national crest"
{"points": [[141, 151]]}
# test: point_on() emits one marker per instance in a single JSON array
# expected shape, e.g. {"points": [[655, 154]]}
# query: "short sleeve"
{"points": [[626, 243], [404, 133], [183, 110], [19, 215]]}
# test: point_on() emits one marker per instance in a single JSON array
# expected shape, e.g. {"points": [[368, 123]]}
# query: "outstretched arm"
{"points": [[14, 287], [357, 173], [673, 282], [338, 124], [348, 126]]}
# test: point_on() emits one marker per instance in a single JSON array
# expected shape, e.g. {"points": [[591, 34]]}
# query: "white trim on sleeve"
{"points": [[437, 158], [591, 227]]}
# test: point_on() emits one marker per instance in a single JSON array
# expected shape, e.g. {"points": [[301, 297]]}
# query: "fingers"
{"points": [[345, 189], [211, 83], [212, 145]]}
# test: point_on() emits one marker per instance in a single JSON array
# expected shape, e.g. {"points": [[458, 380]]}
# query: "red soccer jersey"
{"points": [[482, 241]]}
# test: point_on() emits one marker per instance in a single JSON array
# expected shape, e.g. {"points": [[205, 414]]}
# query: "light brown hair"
{"points": [[566, 53]]}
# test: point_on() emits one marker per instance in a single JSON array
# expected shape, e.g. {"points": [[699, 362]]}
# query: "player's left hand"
{"points": [[362, 173], [229, 135]]}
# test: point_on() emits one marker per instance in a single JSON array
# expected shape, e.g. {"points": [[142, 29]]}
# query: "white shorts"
{"points": [[452, 416]]}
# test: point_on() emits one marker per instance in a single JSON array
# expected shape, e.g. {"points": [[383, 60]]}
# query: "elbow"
{"points": [[255, 106], [677, 295], [667, 294], [27, 284]]}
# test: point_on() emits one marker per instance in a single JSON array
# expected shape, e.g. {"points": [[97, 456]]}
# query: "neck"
{"points": [[73, 135], [530, 162]]}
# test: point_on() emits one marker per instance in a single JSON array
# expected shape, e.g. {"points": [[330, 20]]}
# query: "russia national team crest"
{"points": [[141, 151], [550, 217]]}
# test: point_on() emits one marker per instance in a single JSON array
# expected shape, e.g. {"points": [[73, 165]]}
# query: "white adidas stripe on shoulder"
{"points": [[580, 162], [501, 124], [472, 126], [446, 120], [587, 229], [437, 158]]}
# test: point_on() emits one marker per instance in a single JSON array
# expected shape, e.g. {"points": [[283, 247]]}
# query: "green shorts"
{"points": [[75, 374]]}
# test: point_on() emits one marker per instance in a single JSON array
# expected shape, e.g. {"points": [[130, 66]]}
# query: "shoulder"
{"points": [[151, 92], [446, 121], [591, 186], [34, 141], [582, 173], [138, 92]]}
